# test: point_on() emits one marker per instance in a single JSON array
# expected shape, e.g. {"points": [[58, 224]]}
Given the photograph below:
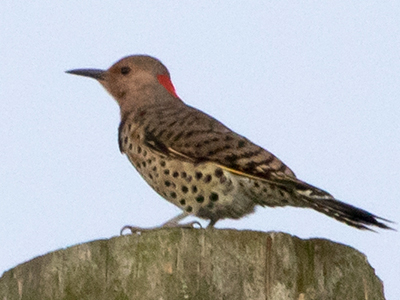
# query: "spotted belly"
{"points": [[205, 189]]}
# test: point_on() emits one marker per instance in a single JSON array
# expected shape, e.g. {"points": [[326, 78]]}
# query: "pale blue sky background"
{"points": [[315, 82]]}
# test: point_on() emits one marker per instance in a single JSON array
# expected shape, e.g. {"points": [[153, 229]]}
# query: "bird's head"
{"points": [[135, 81]]}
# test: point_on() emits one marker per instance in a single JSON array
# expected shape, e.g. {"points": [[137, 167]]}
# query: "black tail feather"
{"points": [[347, 213]]}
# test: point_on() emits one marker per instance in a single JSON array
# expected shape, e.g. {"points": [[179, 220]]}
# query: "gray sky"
{"points": [[315, 82]]}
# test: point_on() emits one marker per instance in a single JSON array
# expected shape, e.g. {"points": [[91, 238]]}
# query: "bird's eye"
{"points": [[125, 70]]}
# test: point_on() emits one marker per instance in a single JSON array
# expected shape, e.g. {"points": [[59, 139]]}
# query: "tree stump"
{"points": [[196, 264]]}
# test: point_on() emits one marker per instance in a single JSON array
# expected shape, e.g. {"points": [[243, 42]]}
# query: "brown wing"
{"points": [[192, 135]]}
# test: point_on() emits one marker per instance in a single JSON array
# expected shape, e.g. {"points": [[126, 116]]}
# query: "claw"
{"points": [[133, 229]]}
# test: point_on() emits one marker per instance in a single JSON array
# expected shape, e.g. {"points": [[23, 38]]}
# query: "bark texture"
{"points": [[196, 264]]}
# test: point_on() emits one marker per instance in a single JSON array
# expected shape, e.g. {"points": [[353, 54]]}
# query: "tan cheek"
{"points": [[114, 90]]}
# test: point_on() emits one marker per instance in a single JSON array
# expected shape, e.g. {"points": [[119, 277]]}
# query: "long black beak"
{"points": [[93, 73]]}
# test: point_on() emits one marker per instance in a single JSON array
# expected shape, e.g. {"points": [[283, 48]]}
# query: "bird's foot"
{"points": [[138, 230]]}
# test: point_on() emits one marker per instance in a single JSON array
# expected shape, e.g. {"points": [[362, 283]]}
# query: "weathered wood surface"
{"points": [[196, 264]]}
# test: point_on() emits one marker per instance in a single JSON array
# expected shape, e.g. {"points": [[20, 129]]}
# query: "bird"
{"points": [[196, 162]]}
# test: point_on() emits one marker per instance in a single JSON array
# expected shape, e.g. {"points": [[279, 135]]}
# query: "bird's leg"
{"points": [[212, 223], [173, 223]]}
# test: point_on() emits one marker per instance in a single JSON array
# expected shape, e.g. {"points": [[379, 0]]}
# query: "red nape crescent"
{"points": [[166, 82]]}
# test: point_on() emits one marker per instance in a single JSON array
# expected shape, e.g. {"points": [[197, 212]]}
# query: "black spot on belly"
{"points": [[214, 197], [200, 199], [218, 172], [198, 175], [208, 178]]}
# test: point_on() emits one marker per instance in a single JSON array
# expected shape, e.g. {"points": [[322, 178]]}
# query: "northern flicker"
{"points": [[196, 162]]}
